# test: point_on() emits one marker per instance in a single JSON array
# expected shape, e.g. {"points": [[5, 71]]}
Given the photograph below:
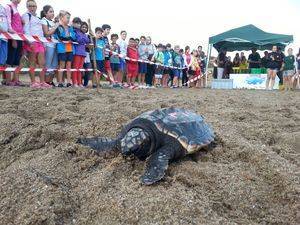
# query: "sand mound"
{"points": [[251, 177]]}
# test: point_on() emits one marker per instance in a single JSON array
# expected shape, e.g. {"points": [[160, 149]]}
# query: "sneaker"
{"points": [[126, 85], [35, 85], [11, 84], [69, 85], [94, 86], [19, 84], [60, 85], [80, 86], [75, 86], [45, 85], [51, 83]]}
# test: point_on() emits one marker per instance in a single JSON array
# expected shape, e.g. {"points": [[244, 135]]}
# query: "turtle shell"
{"points": [[186, 126]]}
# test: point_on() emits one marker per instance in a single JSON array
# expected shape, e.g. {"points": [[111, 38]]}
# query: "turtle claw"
{"points": [[149, 179]]}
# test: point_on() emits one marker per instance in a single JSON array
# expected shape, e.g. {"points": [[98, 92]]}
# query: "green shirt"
{"points": [[289, 63], [159, 57]]}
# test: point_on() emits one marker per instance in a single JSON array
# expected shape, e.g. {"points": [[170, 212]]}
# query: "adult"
{"points": [[280, 72], [296, 78], [273, 68], [237, 60], [228, 67], [187, 63], [298, 61], [123, 51], [221, 60], [254, 59], [14, 47], [150, 67], [265, 60]]}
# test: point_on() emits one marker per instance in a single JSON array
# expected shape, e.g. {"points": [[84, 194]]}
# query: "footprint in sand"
{"points": [[4, 96]]}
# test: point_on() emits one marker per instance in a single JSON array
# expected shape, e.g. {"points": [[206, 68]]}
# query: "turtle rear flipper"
{"points": [[99, 144], [157, 164]]}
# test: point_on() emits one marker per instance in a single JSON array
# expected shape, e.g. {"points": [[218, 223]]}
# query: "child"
{"points": [[177, 63], [123, 49], [168, 62], [115, 59], [36, 50], [187, 63], [15, 25], [65, 50], [132, 66], [87, 61], [3, 42], [143, 55], [158, 57], [99, 51], [289, 70], [106, 30], [49, 28], [195, 67], [80, 30]]}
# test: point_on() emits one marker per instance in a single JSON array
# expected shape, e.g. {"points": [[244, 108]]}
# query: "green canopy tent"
{"points": [[245, 38]]}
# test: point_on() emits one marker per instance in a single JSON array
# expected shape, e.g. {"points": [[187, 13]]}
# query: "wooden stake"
{"points": [[94, 55]]}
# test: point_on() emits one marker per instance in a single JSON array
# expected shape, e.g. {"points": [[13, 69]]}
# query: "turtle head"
{"points": [[136, 141]]}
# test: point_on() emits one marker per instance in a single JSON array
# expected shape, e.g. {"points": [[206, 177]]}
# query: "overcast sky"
{"points": [[184, 22]]}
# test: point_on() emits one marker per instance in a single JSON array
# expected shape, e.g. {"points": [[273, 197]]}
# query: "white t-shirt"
{"points": [[123, 47], [50, 24]]}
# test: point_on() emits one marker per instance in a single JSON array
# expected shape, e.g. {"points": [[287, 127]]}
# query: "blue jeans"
{"points": [[51, 61]]}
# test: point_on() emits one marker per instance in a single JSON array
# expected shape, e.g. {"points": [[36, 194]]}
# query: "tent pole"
{"points": [[207, 62]]}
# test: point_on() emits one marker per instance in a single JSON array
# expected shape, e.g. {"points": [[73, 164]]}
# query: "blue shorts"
{"points": [[3, 52], [65, 57], [176, 72], [142, 67], [14, 54], [115, 67], [100, 66], [123, 67]]}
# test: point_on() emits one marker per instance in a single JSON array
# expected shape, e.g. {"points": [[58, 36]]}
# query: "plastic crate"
{"points": [[256, 71], [222, 84]]}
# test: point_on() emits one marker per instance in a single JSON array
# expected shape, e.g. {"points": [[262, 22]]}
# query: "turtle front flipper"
{"points": [[99, 144], [158, 163]]}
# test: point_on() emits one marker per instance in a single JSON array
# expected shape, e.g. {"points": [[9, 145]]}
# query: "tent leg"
{"points": [[207, 62]]}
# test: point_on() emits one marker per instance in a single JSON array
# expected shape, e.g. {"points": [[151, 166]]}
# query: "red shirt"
{"points": [[132, 53]]}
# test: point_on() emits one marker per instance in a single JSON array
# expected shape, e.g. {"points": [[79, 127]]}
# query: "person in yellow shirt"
{"points": [[244, 65]]}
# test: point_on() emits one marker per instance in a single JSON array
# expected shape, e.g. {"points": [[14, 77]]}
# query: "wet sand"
{"points": [[251, 177]]}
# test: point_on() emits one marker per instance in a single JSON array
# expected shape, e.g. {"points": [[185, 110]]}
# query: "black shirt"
{"points": [[275, 60], [221, 60], [256, 58], [265, 62]]}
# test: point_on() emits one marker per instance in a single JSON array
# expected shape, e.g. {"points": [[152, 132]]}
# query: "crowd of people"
{"points": [[275, 63], [80, 47]]}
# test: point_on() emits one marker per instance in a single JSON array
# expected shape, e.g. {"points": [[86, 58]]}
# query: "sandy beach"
{"points": [[251, 177]]}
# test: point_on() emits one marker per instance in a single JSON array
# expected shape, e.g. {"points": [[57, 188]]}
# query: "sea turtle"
{"points": [[161, 136]]}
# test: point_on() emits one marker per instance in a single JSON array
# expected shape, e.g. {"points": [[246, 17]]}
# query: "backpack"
{"points": [[12, 13]]}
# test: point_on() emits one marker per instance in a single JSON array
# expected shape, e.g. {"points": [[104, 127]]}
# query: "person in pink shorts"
{"points": [[35, 50]]}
